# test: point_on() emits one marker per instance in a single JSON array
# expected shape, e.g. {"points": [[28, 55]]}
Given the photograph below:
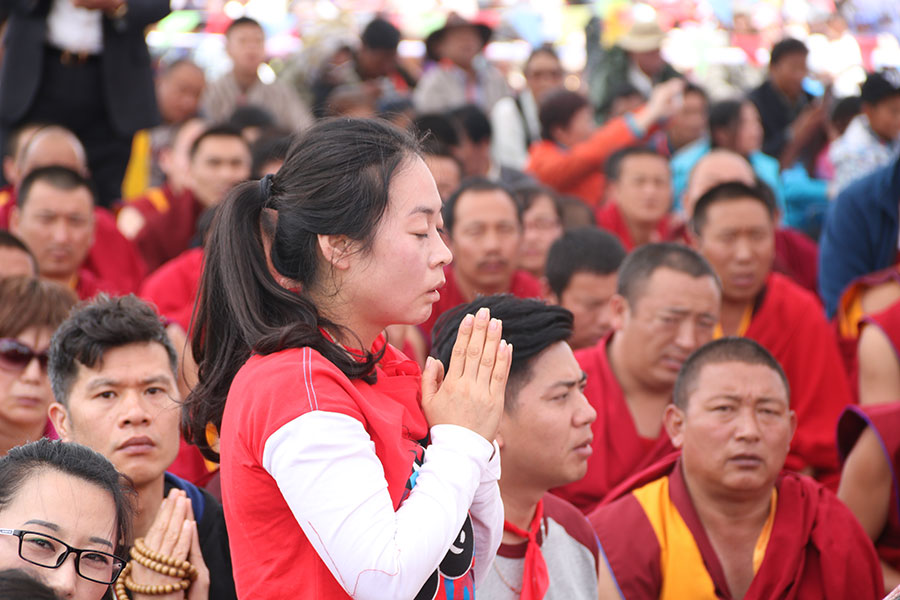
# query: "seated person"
{"points": [[548, 548], [541, 226], [444, 166], [879, 369], [688, 123], [30, 311], [54, 217], [483, 225], [113, 372], [666, 306], [722, 520], [733, 227], [581, 277], [473, 149], [571, 154], [59, 499], [16, 260], [219, 160], [639, 197], [112, 259]]}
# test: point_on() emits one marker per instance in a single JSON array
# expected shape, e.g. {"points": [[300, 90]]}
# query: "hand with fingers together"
{"points": [[471, 392], [173, 534]]}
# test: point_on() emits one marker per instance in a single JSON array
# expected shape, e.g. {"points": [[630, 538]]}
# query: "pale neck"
{"points": [[519, 504]]}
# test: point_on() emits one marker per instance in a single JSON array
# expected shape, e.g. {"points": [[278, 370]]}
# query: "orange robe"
{"points": [[618, 449], [811, 547]]}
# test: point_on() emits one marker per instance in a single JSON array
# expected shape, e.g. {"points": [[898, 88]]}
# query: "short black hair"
{"points": [[528, 324], [270, 146], [23, 462], [880, 86], [240, 22], [475, 184], [527, 193], [785, 48], [380, 34], [726, 349], [557, 110], [221, 130], [613, 166], [97, 327], [546, 49], [693, 88], [844, 110], [471, 121], [730, 190], [435, 126], [642, 262], [251, 115], [16, 584], [582, 250], [58, 177]]}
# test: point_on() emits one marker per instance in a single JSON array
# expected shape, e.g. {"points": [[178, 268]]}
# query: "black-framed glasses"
{"points": [[15, 356], [47, 551]]}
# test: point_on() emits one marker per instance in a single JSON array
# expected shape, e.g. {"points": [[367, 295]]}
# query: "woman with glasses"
{"points": [[65, 517], [30, 310]]}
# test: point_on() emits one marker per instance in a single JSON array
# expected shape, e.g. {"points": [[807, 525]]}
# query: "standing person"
{"points": [[344, 467], [82, 64]]}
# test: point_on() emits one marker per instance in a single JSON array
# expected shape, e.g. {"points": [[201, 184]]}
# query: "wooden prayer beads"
{"points": [[166, 565]]}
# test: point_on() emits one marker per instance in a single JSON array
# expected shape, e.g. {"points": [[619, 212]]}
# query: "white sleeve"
{"points": [[326, 468], [487, 517]]}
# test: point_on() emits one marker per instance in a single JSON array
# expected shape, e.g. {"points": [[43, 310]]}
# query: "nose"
{"points": [[747, 424], [686, 338], [134, 412], [441, 254], [32, 371], [60, 231], [586, 414], [64, 578], [743, 250]]}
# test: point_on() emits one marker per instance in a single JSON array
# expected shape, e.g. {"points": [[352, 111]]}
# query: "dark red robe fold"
{"points": [[816, 550], [173, 287], [791, 324], [171, 224], [619, 451]]}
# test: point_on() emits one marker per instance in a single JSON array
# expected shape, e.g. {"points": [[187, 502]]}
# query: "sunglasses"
{"points": [[15, 356]]}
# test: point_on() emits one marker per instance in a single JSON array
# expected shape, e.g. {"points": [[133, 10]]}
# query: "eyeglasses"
{"points": [[47, 551], [15, 356]]}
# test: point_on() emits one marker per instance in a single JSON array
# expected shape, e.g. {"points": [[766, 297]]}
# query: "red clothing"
{"points": [[173, 287], [619, 450], [523, 285], [171, 223], [112, 259], [790, 323], [816, 549], [609, 217], [578, 171], [884, 419], [270, 553]]}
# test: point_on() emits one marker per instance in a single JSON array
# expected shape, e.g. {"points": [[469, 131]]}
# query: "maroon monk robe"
{"points": [[790, 323], [816, 550], [609, 217], [618, 450], [173, 287], [171, 224]]}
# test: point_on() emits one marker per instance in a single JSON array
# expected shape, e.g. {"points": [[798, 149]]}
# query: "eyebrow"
{"points": [[104, 382], [569, 383], [421, 209], [54, 527]]}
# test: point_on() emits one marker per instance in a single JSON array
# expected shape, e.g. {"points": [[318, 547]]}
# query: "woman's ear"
{"points": [[336, 250]]}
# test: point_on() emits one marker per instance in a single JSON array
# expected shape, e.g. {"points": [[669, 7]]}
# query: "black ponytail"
{"points": [[334, 181]]}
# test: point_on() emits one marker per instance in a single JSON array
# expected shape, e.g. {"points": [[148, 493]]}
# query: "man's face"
{"points": [[68, 508], [738, 240], [788, 74], [541, 227], [673, 315], [543, 74], [178, 93], [650, 62], [57, 226], [446, 173], [884, 117], [475, 157], [485, 240], [545, 440], [643, 190], [460, 45], [376, 62], [736, 430], [220, 163], [246, 45], [587, 298], [126, 409], [689, 123]]}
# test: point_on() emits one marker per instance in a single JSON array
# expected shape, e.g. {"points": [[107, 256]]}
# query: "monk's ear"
{"points": [[793, 417], [673, 421], [59, 416], [337, 250], [14, 216], [619, 311], [547, 294]]}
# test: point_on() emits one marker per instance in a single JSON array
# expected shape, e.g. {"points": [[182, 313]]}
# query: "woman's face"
{"points": [[70, 509], [396, 280], [749, 135], [25, 391], [541, 228]]}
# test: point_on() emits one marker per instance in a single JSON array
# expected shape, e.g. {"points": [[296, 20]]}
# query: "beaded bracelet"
{"points": [[160, 563]]}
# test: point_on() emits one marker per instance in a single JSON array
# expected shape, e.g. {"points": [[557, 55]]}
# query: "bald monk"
{"points": [[112, 259], [665, 307], [795, 254], [723, 521], [733, 226]]}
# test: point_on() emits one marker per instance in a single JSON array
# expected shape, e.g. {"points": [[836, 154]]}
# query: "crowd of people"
{"points": [[364, 332]]}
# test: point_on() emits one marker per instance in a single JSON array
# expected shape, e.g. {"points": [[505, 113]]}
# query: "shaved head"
{"points": [[52, 146], [716, 167]]}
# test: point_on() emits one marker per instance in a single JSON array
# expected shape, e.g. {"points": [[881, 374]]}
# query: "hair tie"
{"points": [[265, 187]]}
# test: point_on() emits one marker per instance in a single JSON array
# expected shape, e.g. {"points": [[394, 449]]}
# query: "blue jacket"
{"points": [[860, 234]]}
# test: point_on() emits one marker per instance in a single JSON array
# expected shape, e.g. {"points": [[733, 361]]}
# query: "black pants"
{"points": [[72, 95]]}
